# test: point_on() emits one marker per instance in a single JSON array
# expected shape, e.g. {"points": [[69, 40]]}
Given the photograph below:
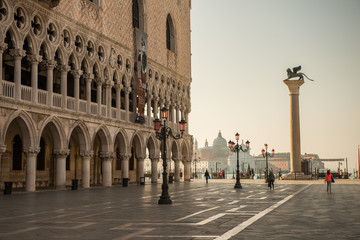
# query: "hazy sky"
{"points": [[240, 53]]}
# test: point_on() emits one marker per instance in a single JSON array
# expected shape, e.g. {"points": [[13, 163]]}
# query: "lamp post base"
{"points": [[238, 185], [165, 200]]}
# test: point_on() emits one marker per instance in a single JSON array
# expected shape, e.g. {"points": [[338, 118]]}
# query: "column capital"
{"points": [[31, 151], [125, 157], [17, 53], [50, 64], [64, 68], [118, 86], [76, 73], [127, 89], [86, 153], [88, 76], [3, 47], [176, 159], [98, 80], [2, 149], [61, 152], [108, 84], [155, 159], [34, 58], [107, 155], [294, 85]]}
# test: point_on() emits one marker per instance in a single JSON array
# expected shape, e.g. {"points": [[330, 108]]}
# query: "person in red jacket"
{"points": [[328, 180]]}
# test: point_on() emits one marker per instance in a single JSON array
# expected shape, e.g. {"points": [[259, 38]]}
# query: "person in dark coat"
{"points": [[207, 175], [271, 179]]}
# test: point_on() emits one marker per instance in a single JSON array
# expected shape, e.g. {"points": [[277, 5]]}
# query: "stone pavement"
{"points": [[199, 211]]}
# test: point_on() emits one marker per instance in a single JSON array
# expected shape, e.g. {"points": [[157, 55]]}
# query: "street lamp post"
{"points": [[237, 148], [162, 133], [266, 155], [195, 162]]}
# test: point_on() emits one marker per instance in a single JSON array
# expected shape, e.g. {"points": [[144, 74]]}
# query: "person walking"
{"points": [[271, 179], [207, 175], [328, 179]]}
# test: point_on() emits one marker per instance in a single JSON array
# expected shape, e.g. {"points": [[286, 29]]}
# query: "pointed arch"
{"points": [[80, 129], [138, 140], [57, 131], [105, 138], [27, 128], [123, 141], [170, 33]]}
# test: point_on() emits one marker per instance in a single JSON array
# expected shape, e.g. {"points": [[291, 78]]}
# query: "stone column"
{"points": [[18, 54], [108, 86], [64, 69], [127, 92], [156, 99], [149, 97], [140, 168], [34, 59], [2, 151], [177, 169], [85, 178], [154, 170], [118, 88], [98, 94], [125, 169], [50, 64], [295, 152], [89, 77], [3, 47], [187, 170], [76, 74], [60, 178], [31, 154], [107, 159]]}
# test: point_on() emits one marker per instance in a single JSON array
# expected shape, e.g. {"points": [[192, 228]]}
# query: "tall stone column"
{"points": [[295, 151], [89, 77], [34, 59], [118, 88], [125, 169], [107, 159], [98, 94], [64, 69], [177, 169], [108, 86], [127, 94], [187, 170], [18, 54], [2, 151], [156, 99], [3, 47], [140, 168], [50, 79], [60, 176], [149, 97], [31, 154], [154, 170], [85, 178], [76, 74]]}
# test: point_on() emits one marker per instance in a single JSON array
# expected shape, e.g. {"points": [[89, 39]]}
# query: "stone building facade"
{"points": [[71, 93]]}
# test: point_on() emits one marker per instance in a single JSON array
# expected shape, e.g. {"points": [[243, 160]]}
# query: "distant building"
{"points": [[217, 155]]}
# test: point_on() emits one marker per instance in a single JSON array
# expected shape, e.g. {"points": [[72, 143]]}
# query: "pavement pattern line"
{"points": [[194, 214], [245, 224], [18, 231]]}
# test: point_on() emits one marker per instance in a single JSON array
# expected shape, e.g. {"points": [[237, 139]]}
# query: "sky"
{"points": [[240, 53]]}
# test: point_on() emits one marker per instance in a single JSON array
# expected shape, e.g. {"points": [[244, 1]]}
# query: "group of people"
{"points": [[328, 179]]}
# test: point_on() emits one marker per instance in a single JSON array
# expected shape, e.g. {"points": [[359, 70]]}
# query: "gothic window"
{"points": [[3, 11], [40, 159], [17, 153], [135, 14], [170, 35]]}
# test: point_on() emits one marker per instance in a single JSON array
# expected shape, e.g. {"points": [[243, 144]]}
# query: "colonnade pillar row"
{"points": [[125, 168], [18, 54], [31, 154], [118, 88], [86, 156], [89, 77], [187, 164], [140, 168], [2, 150], [3, 47], [50, 65], [60, 175], [295, 149], [35, 59], [107, 159], [154, 170], [177, 169], [64, 69], [76, 74]]}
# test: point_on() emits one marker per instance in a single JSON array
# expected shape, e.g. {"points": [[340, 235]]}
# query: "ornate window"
{"points": [[170, 34]]}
